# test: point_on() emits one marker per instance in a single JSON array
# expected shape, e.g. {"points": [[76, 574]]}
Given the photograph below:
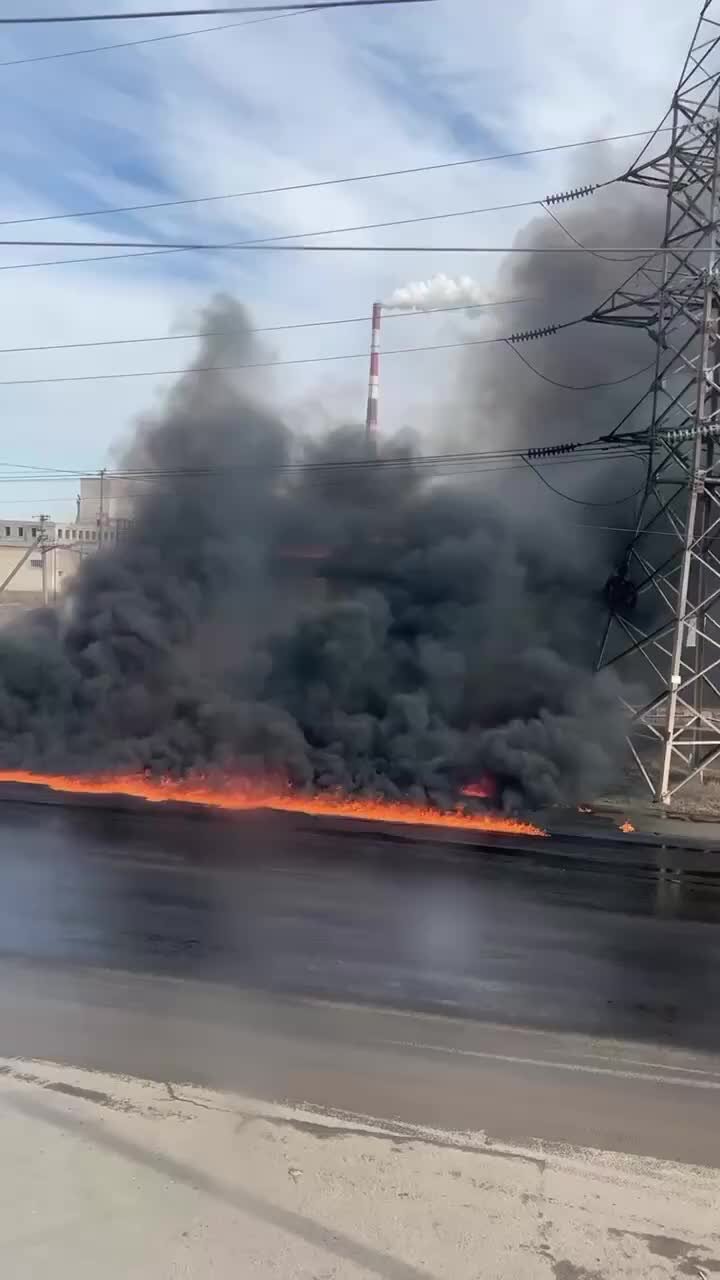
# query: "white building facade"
{"points": [[38, 557]]}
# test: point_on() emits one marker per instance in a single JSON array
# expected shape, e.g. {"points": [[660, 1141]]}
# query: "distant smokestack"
{"points": [[371, 418]]}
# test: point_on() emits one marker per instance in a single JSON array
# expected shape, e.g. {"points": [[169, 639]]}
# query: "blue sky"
{"points": [[299, 99]]}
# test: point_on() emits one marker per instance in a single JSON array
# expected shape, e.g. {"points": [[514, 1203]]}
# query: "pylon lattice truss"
{"points": [[664, 602]]}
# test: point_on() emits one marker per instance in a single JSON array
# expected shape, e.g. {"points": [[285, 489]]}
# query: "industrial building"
{"points": [[39, 556]]}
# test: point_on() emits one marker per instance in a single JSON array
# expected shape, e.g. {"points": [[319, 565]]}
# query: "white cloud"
{"points": [[298, 100]]}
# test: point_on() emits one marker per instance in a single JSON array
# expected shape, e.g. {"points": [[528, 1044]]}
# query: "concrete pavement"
{"points": [[154, 1181], [453, 1073]]}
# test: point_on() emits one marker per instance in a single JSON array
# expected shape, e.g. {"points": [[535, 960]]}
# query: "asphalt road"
{"points": [[295, 959]]}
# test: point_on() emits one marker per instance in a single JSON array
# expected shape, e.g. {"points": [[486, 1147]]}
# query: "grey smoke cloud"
{"points": [[499, 397], [434, 636]]}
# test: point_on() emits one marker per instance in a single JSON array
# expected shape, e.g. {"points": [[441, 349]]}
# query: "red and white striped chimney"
{"points": [[371, 419]]}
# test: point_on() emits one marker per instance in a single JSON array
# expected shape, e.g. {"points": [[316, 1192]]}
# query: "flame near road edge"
{"points": [[245, 794]]}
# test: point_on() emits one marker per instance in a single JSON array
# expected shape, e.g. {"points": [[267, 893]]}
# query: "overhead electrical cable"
{"points": [[282, 238], [586, 502], [581, 451], [489, 468], [152, 248], [587, 386], [258, 246], [327, 466], [362, 226], [594, 253], [510, 340], [195, 370], [331, 231], [269, 328], [326, 182], [486, 468], [131, 44], [301, 6]]}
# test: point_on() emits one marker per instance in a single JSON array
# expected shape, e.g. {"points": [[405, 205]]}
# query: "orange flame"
{"points": [[238, 794], [483, 789], [626, 826]]}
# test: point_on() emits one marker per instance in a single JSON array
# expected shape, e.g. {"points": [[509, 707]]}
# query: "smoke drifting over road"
{"points": [[372, 631]]}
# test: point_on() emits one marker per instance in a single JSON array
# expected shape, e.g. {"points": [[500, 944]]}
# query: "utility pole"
{"points": [[43, 556], [663, 626], [38, 542]]}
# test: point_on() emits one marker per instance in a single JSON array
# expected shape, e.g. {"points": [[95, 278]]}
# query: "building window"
{"points": [[93, 535], [36, 564], [21, 531], [34, 531], [7, 530], [59, 533]]}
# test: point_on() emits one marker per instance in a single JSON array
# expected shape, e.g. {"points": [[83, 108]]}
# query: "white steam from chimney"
{"points": [[441, 291]]}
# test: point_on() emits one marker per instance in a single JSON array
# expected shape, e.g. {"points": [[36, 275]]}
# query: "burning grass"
{"points": [[245, 794]]}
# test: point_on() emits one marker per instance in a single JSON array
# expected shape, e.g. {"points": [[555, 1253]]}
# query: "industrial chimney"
{"points": [[371, 418]]}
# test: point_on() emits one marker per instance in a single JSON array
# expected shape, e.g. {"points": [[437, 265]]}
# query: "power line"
{"points": [[331, 231], [131, 44], [593, 252], [583, 502], [299, 235], [482, 469], [594, 448], [196, 370], [270, 328], [257, 364], [588, 386], [307, 6], [621, 528], [260, 245], [153, 249], [480, 466], [589, 451], [323, 182], [508, 340]]}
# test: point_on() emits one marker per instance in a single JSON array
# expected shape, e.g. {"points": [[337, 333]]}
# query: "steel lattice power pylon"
{"points": [[664, 600]]}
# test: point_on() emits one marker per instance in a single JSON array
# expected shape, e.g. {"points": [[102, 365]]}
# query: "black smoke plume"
{"points": [[378, 630]]}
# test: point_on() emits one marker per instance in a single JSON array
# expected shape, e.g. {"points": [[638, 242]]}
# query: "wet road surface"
{"points": [[296, 960]]}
